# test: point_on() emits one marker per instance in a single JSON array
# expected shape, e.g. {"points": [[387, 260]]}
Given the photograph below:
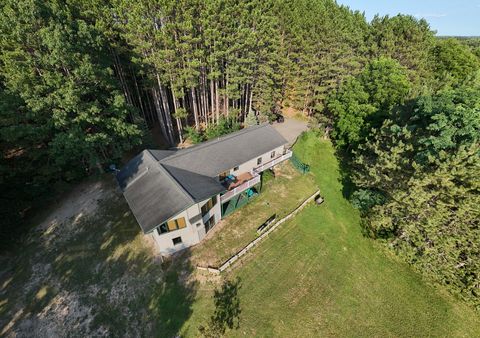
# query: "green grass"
{"points": [[318, 276], [103, 276], [240, 228]]}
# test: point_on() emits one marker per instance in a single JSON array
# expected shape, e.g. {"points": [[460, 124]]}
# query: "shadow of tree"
{"points": [[227, 310], [346, 168], [170, 305]]}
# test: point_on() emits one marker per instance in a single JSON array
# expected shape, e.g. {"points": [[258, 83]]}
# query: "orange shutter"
{"points": [[181, 223], [171, 225]]}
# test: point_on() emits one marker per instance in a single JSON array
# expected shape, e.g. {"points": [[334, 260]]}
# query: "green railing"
{"points": [[236, 202], [302, 167]]}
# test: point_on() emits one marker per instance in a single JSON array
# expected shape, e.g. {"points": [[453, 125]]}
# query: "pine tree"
{"points": [[251, 119]]}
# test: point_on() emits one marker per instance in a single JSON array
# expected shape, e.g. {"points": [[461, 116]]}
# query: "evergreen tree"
{"points": [[251, 119], [454, 64], [407, 40], [419, 187]]}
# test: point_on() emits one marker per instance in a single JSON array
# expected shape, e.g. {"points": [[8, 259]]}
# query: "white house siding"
{"points": [[216, 210], [191, 234], [250, 165], [194, 233]]}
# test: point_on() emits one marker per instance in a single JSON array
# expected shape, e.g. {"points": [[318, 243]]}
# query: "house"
{"points": [[177, 196]]}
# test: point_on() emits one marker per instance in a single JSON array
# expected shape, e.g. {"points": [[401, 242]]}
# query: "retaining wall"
{"points": [[228, 263]]}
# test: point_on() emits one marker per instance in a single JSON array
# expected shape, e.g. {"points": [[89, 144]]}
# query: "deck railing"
{"points": [[256, 177], [242, 187], [274, 162], [302, 167]]}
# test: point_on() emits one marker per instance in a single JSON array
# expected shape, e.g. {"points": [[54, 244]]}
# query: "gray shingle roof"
{"points": [[216, 156], [152, 194], [199, 187], [158, 184]]}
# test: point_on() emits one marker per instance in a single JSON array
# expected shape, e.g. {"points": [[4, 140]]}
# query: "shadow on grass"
{"points": [[170, 305], [345, 169], [104, 278], [227, 310]]}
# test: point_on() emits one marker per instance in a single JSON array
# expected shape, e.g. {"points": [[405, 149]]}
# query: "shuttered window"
{"points": [[172, 225], [209, 205], [181, 223]]}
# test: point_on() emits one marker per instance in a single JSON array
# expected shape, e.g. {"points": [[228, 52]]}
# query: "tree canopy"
{"points": [[84, 82]]}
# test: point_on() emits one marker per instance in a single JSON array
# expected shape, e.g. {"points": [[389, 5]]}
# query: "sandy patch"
{"points": [[80, 203]]}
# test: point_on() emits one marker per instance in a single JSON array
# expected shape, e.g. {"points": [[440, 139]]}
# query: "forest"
{"points": [[85, 82]]}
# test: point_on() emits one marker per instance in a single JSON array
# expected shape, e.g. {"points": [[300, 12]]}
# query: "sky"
{"points": [[447, 17]]}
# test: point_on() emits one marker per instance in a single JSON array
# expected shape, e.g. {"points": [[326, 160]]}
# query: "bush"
{"points": [[225, 125], [194, 135]]}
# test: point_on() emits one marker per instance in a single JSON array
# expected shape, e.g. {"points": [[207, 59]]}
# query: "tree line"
{"points": [[83, 82], [409, 138]]}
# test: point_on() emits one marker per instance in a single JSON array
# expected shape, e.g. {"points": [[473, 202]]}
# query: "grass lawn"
{"points": [[90, 275], [238, 229], [318, 276]]}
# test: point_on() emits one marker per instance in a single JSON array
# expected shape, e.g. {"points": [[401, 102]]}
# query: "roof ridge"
{"points": [[208, 143], [167, 166], [173, 152], [161, 167]]}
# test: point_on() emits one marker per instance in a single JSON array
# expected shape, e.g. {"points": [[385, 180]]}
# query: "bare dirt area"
{"points": [[87, 271], [81, 202]]}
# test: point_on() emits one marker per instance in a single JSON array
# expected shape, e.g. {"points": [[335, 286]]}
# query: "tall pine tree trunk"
{"points": [[212, 100], [179, 122], [250, 101], [194, 107], [139, 97], [166, 111], [226, 95], [217, 101], [161, 121]]}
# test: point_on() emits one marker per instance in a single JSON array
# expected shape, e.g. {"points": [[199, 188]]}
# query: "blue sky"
{"points": [[447, 17]]}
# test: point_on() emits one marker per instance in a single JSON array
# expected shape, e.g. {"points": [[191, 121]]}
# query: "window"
{"points": [[272, 154], [209, 205], [162, 229], [235, 169], [177, 240], [259, 161], [210, 223], [172, 225]]}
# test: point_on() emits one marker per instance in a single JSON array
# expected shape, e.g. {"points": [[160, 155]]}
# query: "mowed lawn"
{"points": [[318, 276], [93, 274], [240, 228]]}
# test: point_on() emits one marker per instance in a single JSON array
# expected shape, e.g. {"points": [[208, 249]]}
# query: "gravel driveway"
{"points": [[291, 129]]}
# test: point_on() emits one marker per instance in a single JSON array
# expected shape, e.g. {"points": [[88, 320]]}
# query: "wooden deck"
{"points": [[240, 180], [243, 183]]}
